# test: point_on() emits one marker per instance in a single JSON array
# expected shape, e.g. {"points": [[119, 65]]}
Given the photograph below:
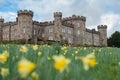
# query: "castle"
{"points": [[72, 29]]}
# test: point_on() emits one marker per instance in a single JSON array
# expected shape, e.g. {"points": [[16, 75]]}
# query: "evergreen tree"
{"points": [[114, 40]]}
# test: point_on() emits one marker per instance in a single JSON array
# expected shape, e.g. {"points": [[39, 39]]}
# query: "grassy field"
{"points": [[32, 62]]}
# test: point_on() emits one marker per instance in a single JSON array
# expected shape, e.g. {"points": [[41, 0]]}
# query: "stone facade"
{"points": [[71, 29]]}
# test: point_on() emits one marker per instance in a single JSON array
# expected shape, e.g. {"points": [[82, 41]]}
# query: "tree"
{"points": [[114, 40]]}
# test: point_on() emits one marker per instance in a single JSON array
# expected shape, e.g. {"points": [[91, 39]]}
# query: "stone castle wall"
{"points": [[72, 29]]}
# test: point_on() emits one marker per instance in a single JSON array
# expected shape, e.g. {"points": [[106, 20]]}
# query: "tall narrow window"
{"points": [[63, 30], [24, 30], [34, 31], [78, 24], [43, 35], [69, 31]]}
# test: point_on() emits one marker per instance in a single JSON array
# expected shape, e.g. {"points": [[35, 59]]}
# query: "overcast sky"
{"points": [[97, 12]]}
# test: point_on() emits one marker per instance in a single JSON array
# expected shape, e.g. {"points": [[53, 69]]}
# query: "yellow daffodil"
{"points": [[6, 53], [39, 53], [4, 56], [25, 67], [48, 58], [64, 48], [23, 49], [72, 54], [76, 52], [60, 62], [35, 47], [85, 48], [119, 63], [34, 76], [88, 60], [100, 50], [4, 72]]}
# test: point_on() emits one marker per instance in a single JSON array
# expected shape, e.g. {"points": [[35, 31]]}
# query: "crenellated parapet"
{"points": [[92, 31], [57, 14], [9, 24], [36, 23], [25, 12], [68, 24], [46, 23], [74, 17], [43, 23], [102, 26]]}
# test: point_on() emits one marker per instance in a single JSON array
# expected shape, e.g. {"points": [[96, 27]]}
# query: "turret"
{"points": [[58, 24], [103, 34], [79, 29], [57, 18], [1, 23], [25, 23]]}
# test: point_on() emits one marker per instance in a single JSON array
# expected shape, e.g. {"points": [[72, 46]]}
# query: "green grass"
{"points": [[107, 67]]}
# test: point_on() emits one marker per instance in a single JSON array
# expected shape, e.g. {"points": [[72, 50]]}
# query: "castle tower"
{"points": [[1, 23], [25, 24], [103, 34], [79, 29], [58, 24]]}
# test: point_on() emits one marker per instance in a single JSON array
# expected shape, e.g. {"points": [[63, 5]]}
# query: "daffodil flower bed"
{"points": [[45, 62]]}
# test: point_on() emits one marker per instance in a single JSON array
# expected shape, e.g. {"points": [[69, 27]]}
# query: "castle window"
{"points": [[24, 30], [63, 38], [43, 35], [78, 32], [69, 40], [78, 24], [78, 40], [34, 31], [51, 30], [69, 31], [50, 38], [63, 30]]}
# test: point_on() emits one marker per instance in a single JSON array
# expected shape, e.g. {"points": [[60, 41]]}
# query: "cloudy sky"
{"points": [[97, 12]]}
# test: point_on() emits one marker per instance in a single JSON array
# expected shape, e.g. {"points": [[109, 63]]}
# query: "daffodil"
{"points": [[4, 56], [76, 52], [6, 53], [25, 67], [39, 53], [4, 72], [23, 49], [34, 76], [64, 48], [85, 48], [88, 60], [35, 47], [60, 62]]}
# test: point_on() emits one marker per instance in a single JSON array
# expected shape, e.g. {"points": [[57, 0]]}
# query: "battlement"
{"points": [[102, 26], [74, 17], [36, 23], [1, 20], [46, 23], [9, 24], [58, 14], [92, 31], [68, 24], [25, 12]]}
